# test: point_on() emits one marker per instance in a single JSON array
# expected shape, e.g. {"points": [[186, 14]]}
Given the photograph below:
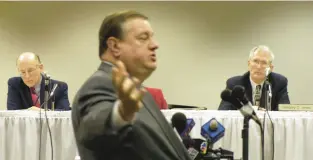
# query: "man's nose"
{"points": [[258, 65], [154, 44], [27, 75]]}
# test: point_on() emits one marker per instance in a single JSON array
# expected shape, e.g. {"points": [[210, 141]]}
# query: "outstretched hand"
{"points": [[129, 91]]}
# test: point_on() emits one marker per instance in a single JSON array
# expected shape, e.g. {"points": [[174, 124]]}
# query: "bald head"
{"points": [[29, 66], [28, 57]]}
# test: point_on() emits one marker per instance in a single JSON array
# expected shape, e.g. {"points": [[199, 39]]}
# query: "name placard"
{"points": [[295, 107]]}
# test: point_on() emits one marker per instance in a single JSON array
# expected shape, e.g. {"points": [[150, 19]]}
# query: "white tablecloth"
{"points": [[19, 134]]}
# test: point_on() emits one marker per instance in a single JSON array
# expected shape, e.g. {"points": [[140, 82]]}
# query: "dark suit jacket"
{"points": [[19, 96], [158, 97], [279, 90], [150, 137]]}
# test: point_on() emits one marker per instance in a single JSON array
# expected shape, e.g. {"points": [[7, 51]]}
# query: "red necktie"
{"points": [[34, 97]]}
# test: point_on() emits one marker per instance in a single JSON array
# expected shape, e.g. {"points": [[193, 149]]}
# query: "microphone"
{"points": [[53, 89], [45, 75], [179, 121], [246, 107], [267, 71], [212, 131], [226, 95], [52, 93], [183, 126], [47, 82], [47, 98]]}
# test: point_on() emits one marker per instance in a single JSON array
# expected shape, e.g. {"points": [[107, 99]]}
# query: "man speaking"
{"points": [[114, 118]]}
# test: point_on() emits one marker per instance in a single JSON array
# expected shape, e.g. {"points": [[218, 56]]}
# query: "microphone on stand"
{"points": [[47, 83], [268, 104], [47, 98], [268, 89], [246, 108], [267, 71], [213, 131], [238, 98], [183, 127]]}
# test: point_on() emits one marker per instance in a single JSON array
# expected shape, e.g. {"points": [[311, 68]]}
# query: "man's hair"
{"points": [[36, 57], [112, 27], [256, 49]]}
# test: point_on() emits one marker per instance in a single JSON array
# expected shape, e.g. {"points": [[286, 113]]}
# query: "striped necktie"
{"points": [[257, 95], [34, 97]]}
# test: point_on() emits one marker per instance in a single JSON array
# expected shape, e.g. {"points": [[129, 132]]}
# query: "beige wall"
{"points": [[201, 44]]}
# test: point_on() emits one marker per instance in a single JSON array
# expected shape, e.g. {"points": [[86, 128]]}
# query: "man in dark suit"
{"points": [[28, 90], [261, 57], [114, 117]]}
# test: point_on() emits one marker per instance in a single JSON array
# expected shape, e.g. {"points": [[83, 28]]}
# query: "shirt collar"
{"points": [[38, 86], [253, 84], [109, 63]]}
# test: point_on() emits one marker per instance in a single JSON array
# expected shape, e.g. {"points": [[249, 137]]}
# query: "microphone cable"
{"points": [[49, 129], [273, 132]]}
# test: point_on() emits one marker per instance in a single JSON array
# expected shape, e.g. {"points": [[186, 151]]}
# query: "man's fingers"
{"points": [[115, 76], [127, 86], [139, 106], [137, 94], [120, 65], [118, 77]]}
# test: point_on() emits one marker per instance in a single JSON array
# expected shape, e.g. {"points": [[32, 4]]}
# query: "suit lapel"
{"points": [[156, 113], [247, 85], [263, 100], [25, 95]]}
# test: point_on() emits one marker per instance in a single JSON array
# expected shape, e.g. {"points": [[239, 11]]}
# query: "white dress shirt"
{"points": [[253, 86]]}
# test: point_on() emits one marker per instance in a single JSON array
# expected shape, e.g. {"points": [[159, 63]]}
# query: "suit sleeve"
{"points": [[97, 129], [62, 102], [226, 105], [13, 100], [283, 97]]}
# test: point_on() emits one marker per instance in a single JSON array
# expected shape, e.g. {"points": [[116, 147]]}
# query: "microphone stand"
{"points": [[47, 82], [245, 138], [268, 96]]}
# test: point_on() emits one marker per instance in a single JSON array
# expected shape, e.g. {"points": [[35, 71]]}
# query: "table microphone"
{"points": [[183, 126], [212, 131], [246, 108]]}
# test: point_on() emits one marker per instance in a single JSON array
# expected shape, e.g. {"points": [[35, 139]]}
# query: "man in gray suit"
{"points": [[114, 118]]}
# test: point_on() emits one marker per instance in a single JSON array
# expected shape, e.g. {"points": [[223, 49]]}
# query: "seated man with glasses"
{"points": [[28, 90], [260, 58]]}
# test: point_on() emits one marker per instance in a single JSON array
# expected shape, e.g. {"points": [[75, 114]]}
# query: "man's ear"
{"points": [[41, 67], [113, 46], [272, 67], [249, 63]]}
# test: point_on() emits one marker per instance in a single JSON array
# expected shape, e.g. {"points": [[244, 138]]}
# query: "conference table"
{"points": [[20, 134]]}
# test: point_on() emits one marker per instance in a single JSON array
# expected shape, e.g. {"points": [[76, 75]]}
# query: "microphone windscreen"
{"points": [[238, 92], [226, 95], [212, 135], [213, 125], [179, 122]]}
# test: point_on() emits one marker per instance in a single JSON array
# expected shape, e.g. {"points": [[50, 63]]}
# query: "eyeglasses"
{"points": [[259, 62], [29, 71]]}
